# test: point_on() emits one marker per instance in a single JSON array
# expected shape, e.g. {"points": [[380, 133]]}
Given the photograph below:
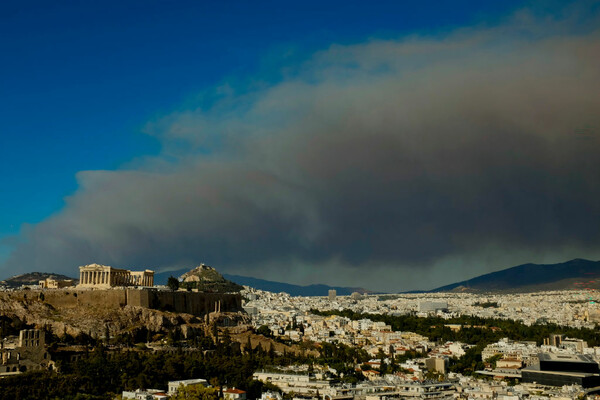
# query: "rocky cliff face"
{"points": [[31, 308]]}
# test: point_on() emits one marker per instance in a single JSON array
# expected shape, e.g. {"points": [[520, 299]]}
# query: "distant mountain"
{"points": [[31, 278], [575, 274], [161, 278], [294, 290], [270, 286]]}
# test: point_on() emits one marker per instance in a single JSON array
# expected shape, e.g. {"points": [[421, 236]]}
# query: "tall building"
{"points": [[332, 294]]}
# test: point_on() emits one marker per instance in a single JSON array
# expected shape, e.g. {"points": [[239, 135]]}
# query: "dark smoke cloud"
{"points": [[391, 164]]}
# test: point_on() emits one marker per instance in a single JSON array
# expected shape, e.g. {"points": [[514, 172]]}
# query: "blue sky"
{"points": [[81, 81]]}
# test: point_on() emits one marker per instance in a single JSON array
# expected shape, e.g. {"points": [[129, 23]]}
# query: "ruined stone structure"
{"points": [[103, 277], [32, 338], [27, 354], [50, 283]]}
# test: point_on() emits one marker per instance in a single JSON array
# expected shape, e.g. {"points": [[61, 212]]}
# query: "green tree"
{"points": [[173, 283], [264, 330], [196, 392], [271, 351], [381, 357], [248, 346]]}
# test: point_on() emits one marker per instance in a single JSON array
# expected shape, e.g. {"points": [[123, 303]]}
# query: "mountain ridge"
{"points": [[294, 290], [572, 274], [32, 278]]}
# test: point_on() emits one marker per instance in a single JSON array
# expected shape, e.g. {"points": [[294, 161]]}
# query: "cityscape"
{"points": [[271, 200], [194, 337]]}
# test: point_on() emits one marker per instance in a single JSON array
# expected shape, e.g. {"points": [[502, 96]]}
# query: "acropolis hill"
{"points": [[118, 299]]}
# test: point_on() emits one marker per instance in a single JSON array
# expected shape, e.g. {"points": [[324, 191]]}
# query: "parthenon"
{"points": [[103, 276]]}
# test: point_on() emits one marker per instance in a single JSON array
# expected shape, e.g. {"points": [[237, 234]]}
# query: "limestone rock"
{"points": [[29, 308], [207, 279]]}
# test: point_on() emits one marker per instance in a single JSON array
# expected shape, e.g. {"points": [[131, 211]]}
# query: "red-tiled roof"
{"points": [[236, 391]]}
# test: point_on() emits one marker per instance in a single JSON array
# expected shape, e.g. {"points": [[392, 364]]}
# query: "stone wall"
{"points": [[86, 298], [195, 303]]}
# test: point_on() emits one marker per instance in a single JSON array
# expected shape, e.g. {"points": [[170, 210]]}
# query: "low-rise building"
{"points": [[563, 369], [50, 283], [174, 385], [149, 394], [297, 383], [234, 394]]}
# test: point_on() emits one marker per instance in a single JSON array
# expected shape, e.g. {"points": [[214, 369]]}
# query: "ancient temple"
{"points": [[103, 276]]}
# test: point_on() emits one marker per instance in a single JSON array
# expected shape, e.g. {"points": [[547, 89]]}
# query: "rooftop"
{"points": [[577, 358]]}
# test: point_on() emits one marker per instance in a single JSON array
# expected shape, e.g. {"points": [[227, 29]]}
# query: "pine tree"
{"points": [[271, 351]]}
